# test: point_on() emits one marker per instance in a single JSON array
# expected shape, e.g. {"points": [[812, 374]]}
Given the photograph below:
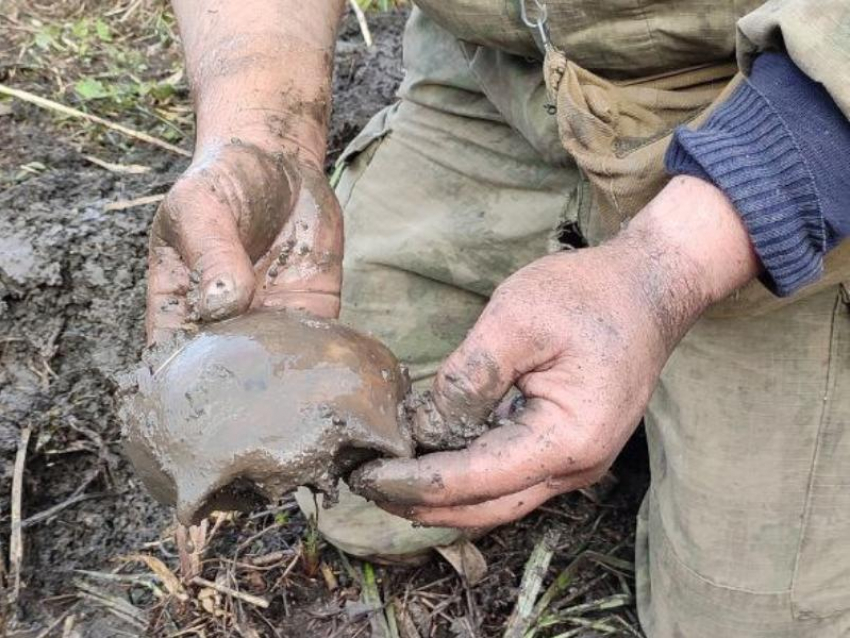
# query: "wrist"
{"points": [[273, 97], [696, 225], [688, 249], [302, 142]]}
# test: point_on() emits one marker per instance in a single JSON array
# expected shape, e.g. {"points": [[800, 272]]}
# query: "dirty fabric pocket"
{"points": [[357, 156], [618, 132]]}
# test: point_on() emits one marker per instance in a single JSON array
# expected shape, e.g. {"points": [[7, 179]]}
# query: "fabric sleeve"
{"points": [[815, 34], [779, 148]]}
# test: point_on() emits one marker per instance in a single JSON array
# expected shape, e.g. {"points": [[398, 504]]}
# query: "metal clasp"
{"points": [[537, 23]]}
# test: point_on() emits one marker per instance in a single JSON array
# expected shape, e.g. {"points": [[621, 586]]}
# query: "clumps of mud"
{"points": [[434, 432], [251, 408]]}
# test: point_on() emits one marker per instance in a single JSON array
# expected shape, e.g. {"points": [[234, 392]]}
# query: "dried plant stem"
{"points": [[361, 20], [227, 591], [50, 105], [531, 583], [16, 543]]}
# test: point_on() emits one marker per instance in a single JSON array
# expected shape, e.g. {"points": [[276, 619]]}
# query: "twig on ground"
{"points": [[563, 580], [124, 204], [287, 571], [558, 586], [197, 630], [593, 625], [78, 494], [227, 591], [50, 512], [68, 626], [145, 580], [532, 580], [59, 620], [603, 604], [50, 105], [631, 630], [131, 8], [169, 580], [576, 593], [361, 20], [327, 572], [241, 547], [407, 628], [573, 615], [122, 169], [617, 565], [16, 544], [191, 542], [269, 559]]}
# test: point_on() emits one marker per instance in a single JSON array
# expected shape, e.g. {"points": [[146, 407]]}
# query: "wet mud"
{"points": [[253, 407], [432, 431], [72, 301]]}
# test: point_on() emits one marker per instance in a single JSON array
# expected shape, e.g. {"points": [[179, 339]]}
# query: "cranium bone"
{"points": [[258, 405]]}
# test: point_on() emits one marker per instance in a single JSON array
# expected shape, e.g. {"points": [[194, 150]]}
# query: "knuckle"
{"points": [[598, 473], [502, 298], [454, 378], [171, 210]]}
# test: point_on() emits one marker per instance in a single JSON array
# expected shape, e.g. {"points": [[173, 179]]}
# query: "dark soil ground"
{"points": [[72, 285]]}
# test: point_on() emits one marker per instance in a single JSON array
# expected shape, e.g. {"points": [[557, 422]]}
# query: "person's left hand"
{"points": [[584, 336]]}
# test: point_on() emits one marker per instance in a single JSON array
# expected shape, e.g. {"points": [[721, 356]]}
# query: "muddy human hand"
{"points": [[244, 227], [584, 336], [253, 221]]}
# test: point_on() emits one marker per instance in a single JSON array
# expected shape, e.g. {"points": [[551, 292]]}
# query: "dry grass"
{"points": [[119, 61], [268, 574]]}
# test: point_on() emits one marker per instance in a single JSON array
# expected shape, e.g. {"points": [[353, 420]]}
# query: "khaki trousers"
{"points": [[745, 531]]}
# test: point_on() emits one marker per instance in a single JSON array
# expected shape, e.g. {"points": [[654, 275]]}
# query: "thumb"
{"points": [[203, 230], [471, 383]]}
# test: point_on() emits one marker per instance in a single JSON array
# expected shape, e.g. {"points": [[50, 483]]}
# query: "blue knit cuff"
{"points": [[745, 149]]}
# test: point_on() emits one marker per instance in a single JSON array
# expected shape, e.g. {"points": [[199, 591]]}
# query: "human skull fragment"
{"points": [[250, 408]]}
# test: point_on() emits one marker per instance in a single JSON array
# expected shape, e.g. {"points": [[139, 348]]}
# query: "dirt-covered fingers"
{"points": [[505, 460], [303, 269], [195, 222], [508, 340], [489, 513], [168, 284]]}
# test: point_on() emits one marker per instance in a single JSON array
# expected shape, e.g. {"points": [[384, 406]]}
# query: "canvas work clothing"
{"points": [[745, 531], [779, 149]]}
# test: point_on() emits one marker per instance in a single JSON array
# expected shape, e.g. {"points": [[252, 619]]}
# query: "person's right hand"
{"points": [[241, 228]]}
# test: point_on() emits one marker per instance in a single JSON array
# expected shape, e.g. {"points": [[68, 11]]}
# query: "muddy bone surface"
{"points": [[250, 408]]}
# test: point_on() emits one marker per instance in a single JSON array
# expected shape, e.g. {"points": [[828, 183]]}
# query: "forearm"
{"points": [[260, 71]]}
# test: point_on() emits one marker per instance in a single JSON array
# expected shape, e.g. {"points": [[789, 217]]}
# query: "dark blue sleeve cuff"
{"points": [[779, 148]]}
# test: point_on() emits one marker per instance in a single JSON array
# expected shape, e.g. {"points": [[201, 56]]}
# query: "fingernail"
{"points": [[221, 298], [362, 482]]}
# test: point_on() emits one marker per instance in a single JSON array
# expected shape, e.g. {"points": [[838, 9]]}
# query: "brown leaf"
{"points": [[467, 560]]}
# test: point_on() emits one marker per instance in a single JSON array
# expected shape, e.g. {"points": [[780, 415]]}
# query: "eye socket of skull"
{"points": [[251, 408]]}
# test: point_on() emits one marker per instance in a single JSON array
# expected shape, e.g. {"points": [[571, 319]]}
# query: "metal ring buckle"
{"points": [[538, 24]]}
